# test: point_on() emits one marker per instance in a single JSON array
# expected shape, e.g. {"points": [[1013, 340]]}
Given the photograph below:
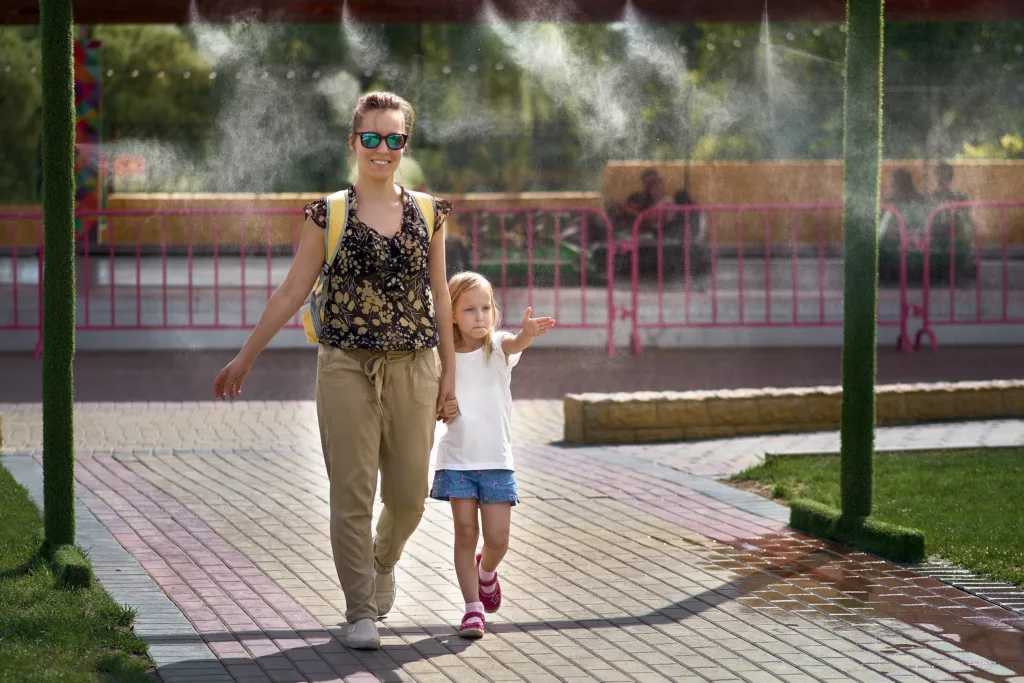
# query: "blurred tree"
{"points": [[519, 106], [20, 101]]}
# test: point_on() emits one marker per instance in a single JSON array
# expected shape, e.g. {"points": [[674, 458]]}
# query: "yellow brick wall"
{"points": [[671, 416], [280, 229], [816, 182]]}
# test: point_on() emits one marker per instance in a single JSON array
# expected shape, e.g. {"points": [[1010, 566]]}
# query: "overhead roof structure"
{"points": [[396, 11]]}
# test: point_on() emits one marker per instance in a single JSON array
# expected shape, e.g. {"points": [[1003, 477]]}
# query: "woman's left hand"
{"points": [[445, 394]]}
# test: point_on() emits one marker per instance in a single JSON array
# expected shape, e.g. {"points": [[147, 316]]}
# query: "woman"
{"points": [[378, 390], [908, 203]]}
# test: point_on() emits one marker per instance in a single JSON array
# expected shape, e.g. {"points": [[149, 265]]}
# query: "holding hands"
{"points": [[447, 406], [449, 410]]}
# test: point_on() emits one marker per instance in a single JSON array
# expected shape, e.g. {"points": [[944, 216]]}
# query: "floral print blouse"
{"points": [[379, 288]]}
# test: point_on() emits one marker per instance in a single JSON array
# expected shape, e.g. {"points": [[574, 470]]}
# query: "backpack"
{"points": [[314, 313]]}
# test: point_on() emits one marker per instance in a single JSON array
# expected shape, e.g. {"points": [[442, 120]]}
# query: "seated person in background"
{"points": [[903, 196], [675, 235], [964, 217], [915, 209], [698, 221], [945, 192], [651, 194]]}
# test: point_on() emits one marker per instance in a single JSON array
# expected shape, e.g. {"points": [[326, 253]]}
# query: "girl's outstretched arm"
{"points": [[532, 328]]}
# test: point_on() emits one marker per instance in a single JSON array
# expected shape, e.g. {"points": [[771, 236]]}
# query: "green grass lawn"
{"points": [[48, 633], [969, 504]]}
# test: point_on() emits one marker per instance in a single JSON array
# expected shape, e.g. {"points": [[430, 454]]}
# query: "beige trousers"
{"points": [[377, 411]]}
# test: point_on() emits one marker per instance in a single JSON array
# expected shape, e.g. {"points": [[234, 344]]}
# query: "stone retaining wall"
{"points": [[671, 416]]}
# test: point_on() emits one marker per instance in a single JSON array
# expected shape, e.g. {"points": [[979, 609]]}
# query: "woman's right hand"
{"points": [[446, 402], [284, 303], [229, 381]]}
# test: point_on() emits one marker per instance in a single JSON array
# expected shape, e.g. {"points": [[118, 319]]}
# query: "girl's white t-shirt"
{"points": [[480, 438]]}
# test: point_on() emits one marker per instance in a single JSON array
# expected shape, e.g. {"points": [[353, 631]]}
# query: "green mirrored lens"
{"points": [[395, 141], [371, 140]]}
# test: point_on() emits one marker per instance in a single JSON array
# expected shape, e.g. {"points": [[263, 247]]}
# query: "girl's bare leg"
{"points": [[497, 519], [467, 532]]}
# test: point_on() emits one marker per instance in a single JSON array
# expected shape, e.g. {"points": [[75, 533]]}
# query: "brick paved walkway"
{"points": [[624, 565], [162, 426]]}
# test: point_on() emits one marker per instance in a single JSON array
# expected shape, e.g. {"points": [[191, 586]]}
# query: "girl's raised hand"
{"points": [[535, 327]]}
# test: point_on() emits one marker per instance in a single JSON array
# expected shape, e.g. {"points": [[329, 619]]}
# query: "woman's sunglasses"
{"points": [[393, 141]]}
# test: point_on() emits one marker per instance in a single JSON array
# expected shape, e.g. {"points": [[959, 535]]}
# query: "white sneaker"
{"points": [[362, 635], [384, 587]]}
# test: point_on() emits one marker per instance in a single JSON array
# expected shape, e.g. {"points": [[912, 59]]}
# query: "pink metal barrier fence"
{"points": [[26, 248], [764, 266], [558, 258], [973, 290], [694, 250], [215, 269], [140, 277]]}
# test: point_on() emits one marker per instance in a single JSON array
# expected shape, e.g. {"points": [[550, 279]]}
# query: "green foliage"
{"points": [[141, 104], [887, 540], [49, 633], [19, 101], [967, 503], [494, 115], [71, 567], [951, 84], [1009, 146]]}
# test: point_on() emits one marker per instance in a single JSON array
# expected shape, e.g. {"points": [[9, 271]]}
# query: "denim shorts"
{"points": [[487, 486]]}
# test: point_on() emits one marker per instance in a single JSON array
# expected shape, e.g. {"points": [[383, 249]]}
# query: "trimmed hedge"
{"points": [[58, 151], [881, 538], [71, 567], [862, 156]]}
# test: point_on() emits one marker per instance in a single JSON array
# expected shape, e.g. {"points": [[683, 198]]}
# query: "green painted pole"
{"points": [[58, 92], [862, 156]]}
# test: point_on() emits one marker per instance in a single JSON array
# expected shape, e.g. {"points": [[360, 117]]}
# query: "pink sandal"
{"points": [[472, 625], [491, 600]]}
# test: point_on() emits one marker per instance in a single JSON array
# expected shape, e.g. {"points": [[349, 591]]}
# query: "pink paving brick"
{"points": [[229, 649], [219, 590], [812, 586]]}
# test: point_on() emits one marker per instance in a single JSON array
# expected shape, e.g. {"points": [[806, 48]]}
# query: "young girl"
{"points": [[474, 458]]}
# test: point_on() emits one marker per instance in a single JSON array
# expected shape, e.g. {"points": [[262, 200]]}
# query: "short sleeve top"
{"points": [[378, 289], [480, 438]]}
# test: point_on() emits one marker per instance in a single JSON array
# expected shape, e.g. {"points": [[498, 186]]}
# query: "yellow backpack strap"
{"points": [[427, 206], [337, 220]]}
